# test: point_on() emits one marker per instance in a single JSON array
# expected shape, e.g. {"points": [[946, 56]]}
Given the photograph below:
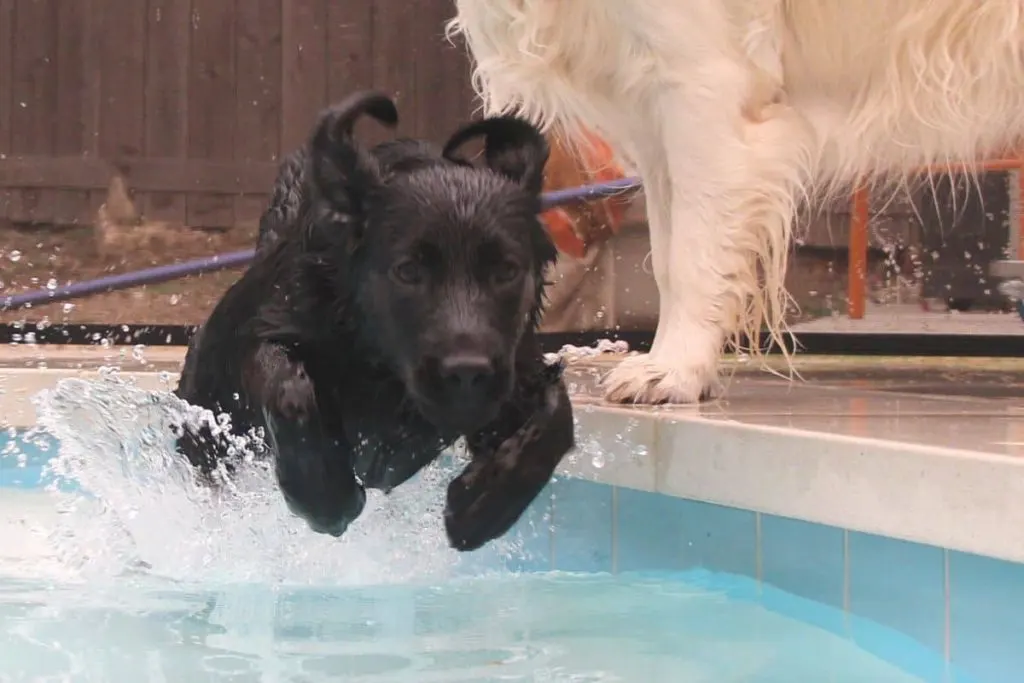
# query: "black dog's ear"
{"points": [[341, 170], [513, 147]]}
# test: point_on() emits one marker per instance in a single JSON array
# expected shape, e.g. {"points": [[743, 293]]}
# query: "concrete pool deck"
{"points": [[927, 450]]}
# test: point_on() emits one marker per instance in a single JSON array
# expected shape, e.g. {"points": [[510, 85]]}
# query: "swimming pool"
{"points": [[113, 569]]}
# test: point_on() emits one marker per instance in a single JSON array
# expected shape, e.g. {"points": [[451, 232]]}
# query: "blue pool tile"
{"points": [[581, 526], [986, 618], [804, 559], [650, 529], [718, 538], [900, 585], [526, 547], [531, 537]]}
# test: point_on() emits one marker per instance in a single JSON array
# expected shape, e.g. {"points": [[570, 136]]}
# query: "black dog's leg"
{"points": [[312, 462], [315, 475], [512, 460]]}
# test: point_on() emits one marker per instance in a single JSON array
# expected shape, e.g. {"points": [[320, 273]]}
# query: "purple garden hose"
{"points": [[235, 259]]}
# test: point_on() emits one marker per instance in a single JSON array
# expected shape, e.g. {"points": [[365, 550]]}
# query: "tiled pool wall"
{"points": [[949, 616], [965, 608]]}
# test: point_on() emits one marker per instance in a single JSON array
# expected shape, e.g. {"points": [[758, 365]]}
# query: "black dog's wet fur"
{"points": [[321, 346]]}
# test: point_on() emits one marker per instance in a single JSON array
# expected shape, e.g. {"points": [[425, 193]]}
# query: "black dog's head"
{"points": [[442, 262]]}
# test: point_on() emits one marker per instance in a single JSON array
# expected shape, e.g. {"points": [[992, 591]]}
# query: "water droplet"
{"points": [[598, 460], [175, 298], [15, 256], [51, 284], [139, 352], [68, 307]]}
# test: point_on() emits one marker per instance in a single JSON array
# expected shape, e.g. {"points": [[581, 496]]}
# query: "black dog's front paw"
{"points": [[490, 496], [497, 486], [333, 518]]}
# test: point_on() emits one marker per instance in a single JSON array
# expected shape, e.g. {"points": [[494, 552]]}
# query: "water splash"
{"points": [[127, 502]]}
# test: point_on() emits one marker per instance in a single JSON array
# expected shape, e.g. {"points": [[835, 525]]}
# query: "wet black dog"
{"points": [[392, 309]]}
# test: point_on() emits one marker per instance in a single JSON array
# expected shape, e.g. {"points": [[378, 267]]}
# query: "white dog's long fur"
{"points": [[734, 112]]}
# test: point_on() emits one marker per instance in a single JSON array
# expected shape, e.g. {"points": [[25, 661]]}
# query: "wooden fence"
{"points": [[193, 101]]}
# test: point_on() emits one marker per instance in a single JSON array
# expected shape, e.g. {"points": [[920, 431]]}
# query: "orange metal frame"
{"points": [[859, 223]]}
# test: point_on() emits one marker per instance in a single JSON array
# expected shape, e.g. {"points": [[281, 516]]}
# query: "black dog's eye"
{"points": [[506, 272], [408, 272]]}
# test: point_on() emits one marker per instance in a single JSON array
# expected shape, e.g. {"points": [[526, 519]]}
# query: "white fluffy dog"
{"points": [[734, 112]]}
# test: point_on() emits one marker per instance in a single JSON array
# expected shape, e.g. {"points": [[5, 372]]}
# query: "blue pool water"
{"points": [[510, 628], [115, 567]]}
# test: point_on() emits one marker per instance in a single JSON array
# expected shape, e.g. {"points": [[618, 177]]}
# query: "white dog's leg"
{"points": [[719, 259], [681, 366], [637, 378]]}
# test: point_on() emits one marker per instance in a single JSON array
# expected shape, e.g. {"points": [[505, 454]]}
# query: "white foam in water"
{"points": [[144, 505], [144, 575]]}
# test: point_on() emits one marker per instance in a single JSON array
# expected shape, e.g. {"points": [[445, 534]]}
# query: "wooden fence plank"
{"points": [[168, 29], [435, 117], [349, 47], [92, 95], [6, 90], [121, 26], [395, 50], [211, 112], [35, 99], [257, 93], [121, 33], [456, 101], [303, 68], [71, 206]]}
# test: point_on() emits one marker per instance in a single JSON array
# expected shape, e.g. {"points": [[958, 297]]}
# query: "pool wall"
{"points": [[924, 542]]}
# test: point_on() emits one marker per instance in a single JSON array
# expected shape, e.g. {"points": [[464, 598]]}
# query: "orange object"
{"points": [[563, 233], [575, 227]]}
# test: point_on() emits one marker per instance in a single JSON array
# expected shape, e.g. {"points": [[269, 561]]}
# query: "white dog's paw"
{"points": [[642, 379]]}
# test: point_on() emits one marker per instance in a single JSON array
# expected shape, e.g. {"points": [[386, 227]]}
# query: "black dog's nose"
{"points": [[466, 371]]}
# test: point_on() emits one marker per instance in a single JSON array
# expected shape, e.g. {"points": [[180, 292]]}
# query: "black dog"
{"points": [[391, 309]]}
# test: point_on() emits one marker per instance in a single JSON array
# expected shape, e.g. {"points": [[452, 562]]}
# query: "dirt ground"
{"points": [[31, 257]]}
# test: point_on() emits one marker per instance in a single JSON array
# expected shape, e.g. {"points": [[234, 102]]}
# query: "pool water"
{"points": [[504, 628], [115, 566]]}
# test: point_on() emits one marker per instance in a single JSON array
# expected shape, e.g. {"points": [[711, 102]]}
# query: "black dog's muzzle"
{"points": [[462, 391]]}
